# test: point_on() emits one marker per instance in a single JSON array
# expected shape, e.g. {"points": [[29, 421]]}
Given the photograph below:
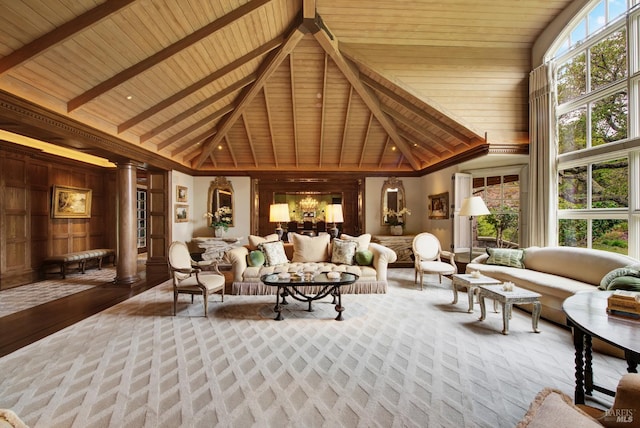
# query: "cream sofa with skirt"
{"points": [[314, 254]]}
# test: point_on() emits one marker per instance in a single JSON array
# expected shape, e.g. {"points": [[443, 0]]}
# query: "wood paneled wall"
{"points": [[351, 189], [28, 234]]}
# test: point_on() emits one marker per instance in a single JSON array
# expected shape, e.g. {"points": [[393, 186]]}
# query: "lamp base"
{"points": [[279, 232], [334, 232]]}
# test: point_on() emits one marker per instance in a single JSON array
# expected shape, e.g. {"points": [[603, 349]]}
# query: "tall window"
{"points": [[597, 76], [501, 194]]}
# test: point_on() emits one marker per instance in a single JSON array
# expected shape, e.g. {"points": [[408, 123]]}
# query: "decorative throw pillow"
{"points": [[363, 240], [254, 240], [616, 273], [310, 248], [364, 257], [631, 283], [343, 252], [506, 257], [274, 254], [255, 258]]}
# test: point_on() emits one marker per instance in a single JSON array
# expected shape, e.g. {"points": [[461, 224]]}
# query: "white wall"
{"points": [[417, 191], [181, 231]]}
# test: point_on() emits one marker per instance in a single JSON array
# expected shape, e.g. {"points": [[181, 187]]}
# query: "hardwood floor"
{"points": [[27, 326]]}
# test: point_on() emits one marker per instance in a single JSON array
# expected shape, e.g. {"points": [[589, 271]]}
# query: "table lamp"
{"points": [[473, 206], [334, 215], [279, 213]]}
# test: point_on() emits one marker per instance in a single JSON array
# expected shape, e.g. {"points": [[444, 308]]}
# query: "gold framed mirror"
{"points": [[221, 195], [392, 199]]}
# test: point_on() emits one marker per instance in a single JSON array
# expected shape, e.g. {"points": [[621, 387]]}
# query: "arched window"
{"points": [[597, 92]]}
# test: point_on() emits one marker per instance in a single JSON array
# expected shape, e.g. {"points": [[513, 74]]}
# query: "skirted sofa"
{"points": [[554, 272], [266, 255]]}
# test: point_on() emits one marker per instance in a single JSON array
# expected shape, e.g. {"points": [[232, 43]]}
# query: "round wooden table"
{"points": [[587, 316]]}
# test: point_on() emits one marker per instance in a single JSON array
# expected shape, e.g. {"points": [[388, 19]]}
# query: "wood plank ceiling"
{"points": [[260, 85]]}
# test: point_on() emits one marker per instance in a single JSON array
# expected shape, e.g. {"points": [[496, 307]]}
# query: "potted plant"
{"points": [[396, 220], [220, 220]]}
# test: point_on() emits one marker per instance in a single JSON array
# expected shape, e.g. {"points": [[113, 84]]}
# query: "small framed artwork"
{"points": [[70, 202], [181, 213], [439, 206], [181, 193]]}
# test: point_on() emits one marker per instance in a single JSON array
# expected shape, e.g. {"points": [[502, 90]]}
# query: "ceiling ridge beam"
{"points": [[61, 33], [267, 69], [327, 42], [376, 86], [261, 50], [196, 108], [163, 54]]}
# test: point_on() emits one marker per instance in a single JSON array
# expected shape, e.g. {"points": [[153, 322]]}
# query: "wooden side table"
{"points": [[401, 244]]}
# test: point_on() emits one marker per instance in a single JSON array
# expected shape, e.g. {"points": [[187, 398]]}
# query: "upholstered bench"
{"points": [[80, 258]]}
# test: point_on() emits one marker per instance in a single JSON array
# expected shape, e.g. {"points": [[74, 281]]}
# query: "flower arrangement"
{"points": [[220, 218], [395, 218]]}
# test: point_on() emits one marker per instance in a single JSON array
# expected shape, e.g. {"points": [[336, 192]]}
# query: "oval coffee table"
{"points": [[587, 316], [300, 288]]}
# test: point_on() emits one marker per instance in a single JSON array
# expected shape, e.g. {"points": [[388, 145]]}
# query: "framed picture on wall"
{"points": [[181, 193], [439, 206], [181, 213], [70, 202]]}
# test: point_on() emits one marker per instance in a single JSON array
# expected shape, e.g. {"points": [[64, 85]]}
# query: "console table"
{"points": [[216, 248], [401, 244]]}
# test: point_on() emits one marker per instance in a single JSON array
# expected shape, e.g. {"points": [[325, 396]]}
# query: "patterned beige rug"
{"points": [[405, 359], [27, 296]]}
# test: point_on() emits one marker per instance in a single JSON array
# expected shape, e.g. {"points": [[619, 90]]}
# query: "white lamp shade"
{"points": [[473, 206], [334, 213], [279, 213]]}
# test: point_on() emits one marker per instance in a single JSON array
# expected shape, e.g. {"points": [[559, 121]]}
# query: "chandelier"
{"points": [[308, 204]]}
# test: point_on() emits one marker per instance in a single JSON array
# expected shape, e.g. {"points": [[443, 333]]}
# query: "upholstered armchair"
{"points": [[427, 252], [188, 277]]}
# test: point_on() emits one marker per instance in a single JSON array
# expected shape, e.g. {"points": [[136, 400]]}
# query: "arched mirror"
{"points": [[392, 199], [221, 195]]}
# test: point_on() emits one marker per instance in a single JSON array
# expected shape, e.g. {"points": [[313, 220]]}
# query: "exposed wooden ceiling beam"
{"points": [[196, 108], [384, 150], [196, 141], [205, 121], [270, 126], [230, 148], [417, 111], [434, 139], [261, 50], [247, 130], [343, 143], [365, 140], [330, 46], [294, 110], [61, 33], [164, 54], [323, 110], [267, 69]]}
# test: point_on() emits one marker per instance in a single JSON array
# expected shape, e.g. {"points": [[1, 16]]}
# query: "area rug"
{"points": [[27, 296], [408, 358]]}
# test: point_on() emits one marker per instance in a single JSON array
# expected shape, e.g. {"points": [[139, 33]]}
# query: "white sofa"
{"points": [[302, 256], [556, 273]]}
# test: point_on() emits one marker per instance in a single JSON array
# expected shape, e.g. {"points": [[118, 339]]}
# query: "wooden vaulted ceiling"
{"points": [[260, 85]]}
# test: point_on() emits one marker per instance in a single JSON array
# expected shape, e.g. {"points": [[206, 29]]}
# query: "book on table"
{"points": [[624, 303]]}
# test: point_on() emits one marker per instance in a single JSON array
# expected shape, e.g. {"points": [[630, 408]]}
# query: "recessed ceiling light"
{"points": [[393, 148], [220, 147], [129, 97]]}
